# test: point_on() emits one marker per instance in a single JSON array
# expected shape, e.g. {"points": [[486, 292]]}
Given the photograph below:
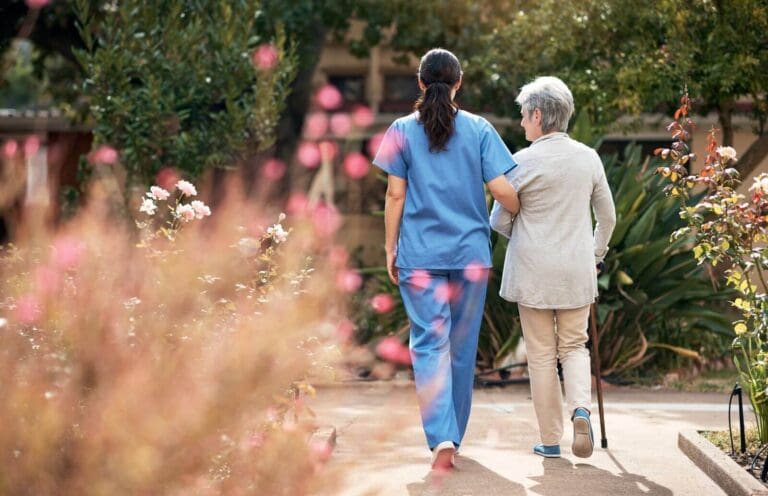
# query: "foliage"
{"points": [[174, 85], [623, 57], [730, 230], [136, 370], [653, 295], [656, 309]]}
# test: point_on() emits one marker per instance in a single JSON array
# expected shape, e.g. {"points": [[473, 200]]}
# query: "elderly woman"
{"points": [[550, 266]]}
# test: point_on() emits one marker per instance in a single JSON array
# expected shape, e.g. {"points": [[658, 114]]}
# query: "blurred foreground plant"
{"points": [[128, 371], [730, 232]]}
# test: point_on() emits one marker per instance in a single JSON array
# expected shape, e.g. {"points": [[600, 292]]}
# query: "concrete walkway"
{"points": [[381, 446]]}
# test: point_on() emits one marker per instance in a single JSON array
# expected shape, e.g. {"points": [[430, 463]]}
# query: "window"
{"points": [[400, 92], [352, 88]]}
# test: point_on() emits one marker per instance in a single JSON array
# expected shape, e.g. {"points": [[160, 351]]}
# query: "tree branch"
{"points": [[752, 157]]}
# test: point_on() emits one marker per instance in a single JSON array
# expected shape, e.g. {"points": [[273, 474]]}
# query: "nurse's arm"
{"points": [[393, 214], [501, 220], [504, 193]]}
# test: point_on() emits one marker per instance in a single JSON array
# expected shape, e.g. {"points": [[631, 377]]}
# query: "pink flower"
{"points": [[308, 155], [341, 124], [326, 220], [201, 209], [185, 212], [356, 165], [10, 148], [382, 303], [37, 4], [345, 330], [159, 193], [420, 279], [328, 150], [475, 272], [316, 125], [447, 292], [362, 116], [386, 149], [273, 169], [297, 203], [338, 256], [103, 155], [31, 145], [67, 252], [329, 97], [374, 143], [392, 350], [186, 187], [348, 281], [438, 325], [27, 309], [167, 178], [265, 57]]}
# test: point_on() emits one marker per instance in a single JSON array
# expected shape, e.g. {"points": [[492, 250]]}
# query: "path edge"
{"points": [[725, 472]]}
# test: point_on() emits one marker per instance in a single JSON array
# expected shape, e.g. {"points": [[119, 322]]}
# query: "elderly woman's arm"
{"points": [[501, 220], [605, 214]]}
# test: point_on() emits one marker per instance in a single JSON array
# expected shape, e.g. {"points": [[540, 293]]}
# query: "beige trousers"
{"points": [[549, 335]]}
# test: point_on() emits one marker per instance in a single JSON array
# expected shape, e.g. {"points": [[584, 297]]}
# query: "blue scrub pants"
{"points": [[446, 310]]}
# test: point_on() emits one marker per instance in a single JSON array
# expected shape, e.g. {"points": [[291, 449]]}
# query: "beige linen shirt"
{"points": [[552, 251]]}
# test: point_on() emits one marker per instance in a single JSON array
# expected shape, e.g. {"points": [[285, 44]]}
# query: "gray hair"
{"points": [[552, 97]]}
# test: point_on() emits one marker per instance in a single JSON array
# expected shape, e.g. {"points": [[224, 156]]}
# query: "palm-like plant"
{"points": [[657, 306]]}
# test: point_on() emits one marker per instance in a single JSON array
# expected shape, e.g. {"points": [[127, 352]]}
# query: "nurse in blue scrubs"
{"points": [[438, 160]]}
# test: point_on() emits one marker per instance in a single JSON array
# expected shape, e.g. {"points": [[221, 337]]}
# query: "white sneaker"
{"points": [[443, 456]]}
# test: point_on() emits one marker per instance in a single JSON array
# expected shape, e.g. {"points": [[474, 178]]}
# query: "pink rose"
{"points": [[159, 193], [392, 350], [103, 155], [329, 97], [201, 209], [382, 303], [186, 187], [265, 56], [185, 212]]}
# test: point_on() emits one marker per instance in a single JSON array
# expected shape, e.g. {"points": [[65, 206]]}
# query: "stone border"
{"points": [[729, 475]]}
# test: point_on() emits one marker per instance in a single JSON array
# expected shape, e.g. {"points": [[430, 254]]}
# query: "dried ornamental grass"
{"points": [[136, 364]]}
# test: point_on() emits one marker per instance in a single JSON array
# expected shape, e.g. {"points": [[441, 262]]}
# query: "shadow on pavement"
{"points": [[562, 477], [468, 479]]}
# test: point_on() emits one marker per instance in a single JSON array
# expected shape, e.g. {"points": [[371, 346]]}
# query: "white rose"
{"points": [[726, 152], [148, 206]]}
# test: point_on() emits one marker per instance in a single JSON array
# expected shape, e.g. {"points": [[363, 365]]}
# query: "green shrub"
{"points": [[174, 84]]}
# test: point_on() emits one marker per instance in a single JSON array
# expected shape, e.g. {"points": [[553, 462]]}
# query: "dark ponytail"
{"points": [[439, 71]]}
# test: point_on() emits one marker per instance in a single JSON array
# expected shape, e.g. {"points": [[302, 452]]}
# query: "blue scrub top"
{"points": [[445, 217]]}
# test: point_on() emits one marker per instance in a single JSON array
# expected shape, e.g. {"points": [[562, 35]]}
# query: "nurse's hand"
{"points": [[391, 269]]}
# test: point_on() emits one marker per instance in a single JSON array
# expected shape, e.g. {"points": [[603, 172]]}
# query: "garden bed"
{"points": [[711, 452]]}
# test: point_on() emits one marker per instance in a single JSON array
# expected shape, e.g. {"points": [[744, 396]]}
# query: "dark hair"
{"points": [[439, 70]]}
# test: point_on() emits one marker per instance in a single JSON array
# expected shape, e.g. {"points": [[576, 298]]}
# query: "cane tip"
{"points": [[604, 443]]}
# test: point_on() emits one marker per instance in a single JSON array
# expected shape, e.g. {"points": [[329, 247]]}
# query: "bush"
{"points": [[178, 84], [730, 232], [172, 365]]}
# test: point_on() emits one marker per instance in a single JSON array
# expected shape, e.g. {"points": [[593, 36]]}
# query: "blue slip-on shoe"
{"points": [[547, 451], [583, 437]]}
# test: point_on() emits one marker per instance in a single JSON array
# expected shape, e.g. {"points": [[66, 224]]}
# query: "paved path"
{"points": [[380, 438]]}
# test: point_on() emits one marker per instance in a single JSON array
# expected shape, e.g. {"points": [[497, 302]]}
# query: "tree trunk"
{"points": [[752, 157], [725, 115], [297, 105]]}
